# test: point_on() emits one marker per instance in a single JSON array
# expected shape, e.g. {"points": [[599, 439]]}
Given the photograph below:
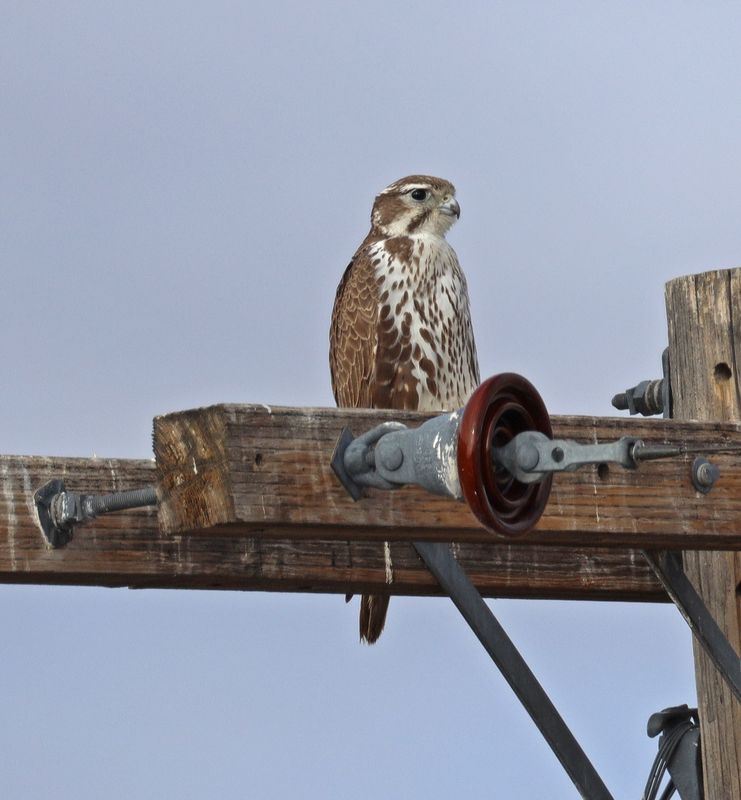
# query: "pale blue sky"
{"points": [[181, 186]]}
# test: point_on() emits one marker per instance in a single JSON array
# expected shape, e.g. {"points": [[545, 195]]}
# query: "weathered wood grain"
{"points": [[255, 470], [127, 549], [704, 313]]}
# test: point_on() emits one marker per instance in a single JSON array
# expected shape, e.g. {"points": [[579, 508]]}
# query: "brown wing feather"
{"points": [[353, 338], [370, 358], [365, 362]]}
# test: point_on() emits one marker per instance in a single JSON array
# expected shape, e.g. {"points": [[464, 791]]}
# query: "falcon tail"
{"points": [[373, 608]]}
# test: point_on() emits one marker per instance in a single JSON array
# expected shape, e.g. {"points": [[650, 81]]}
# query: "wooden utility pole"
{"points": [[247, 500], [704, 315]]}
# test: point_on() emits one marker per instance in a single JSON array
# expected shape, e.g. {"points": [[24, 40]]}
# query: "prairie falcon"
{"points": [[401, 334]]}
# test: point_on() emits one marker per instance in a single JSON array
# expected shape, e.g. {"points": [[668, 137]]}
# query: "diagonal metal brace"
{"points": [[453, 579], [669, 570]]}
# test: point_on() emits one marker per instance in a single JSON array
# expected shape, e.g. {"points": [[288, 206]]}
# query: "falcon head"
{"points": [[416, 204]]}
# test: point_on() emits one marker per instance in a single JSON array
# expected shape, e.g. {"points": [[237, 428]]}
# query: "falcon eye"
{"points": [[419, 194]]}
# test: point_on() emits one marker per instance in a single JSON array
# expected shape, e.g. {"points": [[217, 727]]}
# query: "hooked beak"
{"points": [[451, 208]]}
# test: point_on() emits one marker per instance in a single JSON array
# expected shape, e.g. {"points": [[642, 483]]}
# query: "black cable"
{"points": [[661, 762]]}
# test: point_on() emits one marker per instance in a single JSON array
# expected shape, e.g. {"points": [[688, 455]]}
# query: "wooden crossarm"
{"points": [[256, 470]]}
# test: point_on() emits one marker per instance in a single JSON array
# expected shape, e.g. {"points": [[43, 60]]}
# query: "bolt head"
{"points": [[704, 474], [527, 457], [391, 457]]}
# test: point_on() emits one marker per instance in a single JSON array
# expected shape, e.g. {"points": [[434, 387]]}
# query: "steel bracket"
{"points": [[454, 581], [669, 570]]}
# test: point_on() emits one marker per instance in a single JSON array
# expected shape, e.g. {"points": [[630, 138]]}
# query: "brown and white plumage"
{"points": [[401, 334]]}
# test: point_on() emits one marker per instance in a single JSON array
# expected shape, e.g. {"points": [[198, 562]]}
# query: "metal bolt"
{"points": [[59, 509], [704, 474], [647, 398], [391, 457], [557, 455], [528, 458]]}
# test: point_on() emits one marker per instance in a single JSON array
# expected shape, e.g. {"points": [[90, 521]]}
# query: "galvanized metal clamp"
{"points": [[497, 453]]}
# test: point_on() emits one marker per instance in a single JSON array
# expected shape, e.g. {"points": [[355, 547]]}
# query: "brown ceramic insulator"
{"points": [[503, 406]]}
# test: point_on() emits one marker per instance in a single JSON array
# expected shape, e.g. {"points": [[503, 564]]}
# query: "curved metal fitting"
{"points": [[357, 458]]}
